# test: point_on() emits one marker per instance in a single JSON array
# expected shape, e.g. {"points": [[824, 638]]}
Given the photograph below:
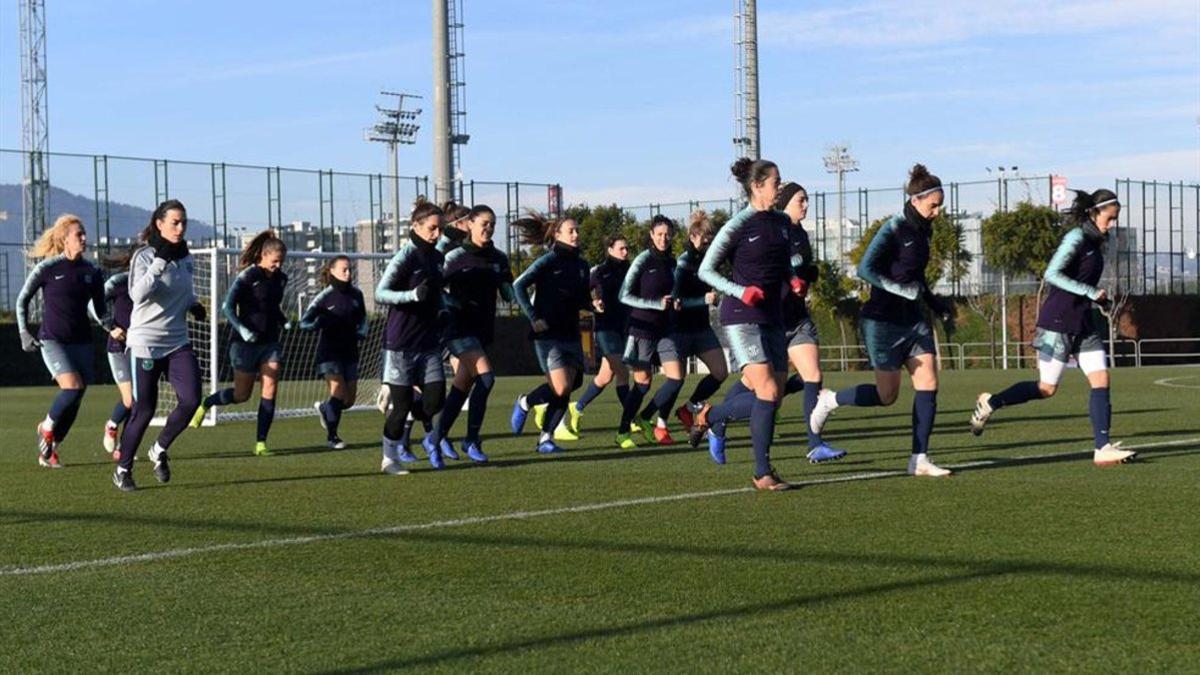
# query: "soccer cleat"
{"points": [[574, 417], [112, 441], [983, 410], [392, 468], [695, 435], [919, 465], [198, 417], [647, 427], [562, 433], [539, 414], [517, 421], [320, 408], [405, 455], [1112, 454], [635, 425], [475, 452], [685, 416], [771, 482], [826, 403], [162, 466], [123, 480], [435, 455], [50, 461], [549, 448], [662, 436], [336, 443], [626, 442], [45, 441], [448, 450], [716, 446], [824, 453], [261, 450]]}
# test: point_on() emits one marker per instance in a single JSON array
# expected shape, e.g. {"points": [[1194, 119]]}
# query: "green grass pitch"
{"points": [[618, 561]]}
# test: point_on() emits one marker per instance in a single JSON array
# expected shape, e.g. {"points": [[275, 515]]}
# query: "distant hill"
{"points": [[125, 220]]}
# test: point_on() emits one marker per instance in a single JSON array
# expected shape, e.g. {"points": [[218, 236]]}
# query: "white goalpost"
{"points": [[299, 385]]}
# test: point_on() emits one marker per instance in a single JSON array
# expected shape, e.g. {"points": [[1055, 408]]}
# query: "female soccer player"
{"points": [[803, 343], [610, 321], [1066, 324], [455, 227], [160, 285], [68, 282], [691, 331], [561, 279], [893, 321], [475, 273], [755, 243], [120, 306], [253, 306], [412, 285], [339, 312]]}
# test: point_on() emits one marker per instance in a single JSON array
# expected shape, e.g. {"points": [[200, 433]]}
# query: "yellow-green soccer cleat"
{"points": [[260, 449], [648, 428], [574, 417], [539, 415], [626, 442], [562, 433], [198, 418]]}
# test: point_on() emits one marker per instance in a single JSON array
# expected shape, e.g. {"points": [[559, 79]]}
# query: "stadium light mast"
{"points": [[839, 161], [746, 137], [396, 126], [35, 131], [449, 98]]}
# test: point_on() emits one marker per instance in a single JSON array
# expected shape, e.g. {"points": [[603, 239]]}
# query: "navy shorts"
{"points": [[611, 342], [464, 345], [412, 368], [118, 365], [889, 345], [803, 333], [680, 346], [347, 370], [61, 358], [557, 354], [248, 358], [640, 352], [758, 343]]}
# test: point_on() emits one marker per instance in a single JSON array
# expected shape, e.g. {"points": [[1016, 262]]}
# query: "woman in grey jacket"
{"points": [[160, 285]]}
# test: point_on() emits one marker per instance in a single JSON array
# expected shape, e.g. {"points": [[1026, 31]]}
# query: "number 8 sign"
{"points": [[1058, 190]]}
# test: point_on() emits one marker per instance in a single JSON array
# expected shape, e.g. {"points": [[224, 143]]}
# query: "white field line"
{"points": [[512, 515], [1170, 382]]}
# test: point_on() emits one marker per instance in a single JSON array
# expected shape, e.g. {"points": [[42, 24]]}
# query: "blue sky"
{"points": [[632, 101]]}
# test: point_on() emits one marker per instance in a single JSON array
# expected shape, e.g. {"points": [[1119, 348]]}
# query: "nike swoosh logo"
{"points": [[558, 271], [59, 276], [908, 243], [1090, 252], [752, 239], [332, 308]]}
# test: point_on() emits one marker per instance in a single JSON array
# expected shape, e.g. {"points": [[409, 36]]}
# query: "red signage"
{"points": [[1058, 190]]}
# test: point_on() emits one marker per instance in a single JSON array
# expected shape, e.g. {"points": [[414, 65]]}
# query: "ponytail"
{"points": [[263, 243], [1086, 206], [536, 229], [750, 171]]}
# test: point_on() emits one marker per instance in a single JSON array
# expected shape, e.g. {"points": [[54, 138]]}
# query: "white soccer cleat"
{"points": [[826, 404], [393, 468], [983, 410], [1112, 454], [919, 465], [320, 415], [112, 440]]}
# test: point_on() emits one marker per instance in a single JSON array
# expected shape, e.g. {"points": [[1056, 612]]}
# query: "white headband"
{"points": [[1105, 203], [922, 193]]}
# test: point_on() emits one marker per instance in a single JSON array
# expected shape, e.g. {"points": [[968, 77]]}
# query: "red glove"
{"points": [[752, 296], [799, 286]]}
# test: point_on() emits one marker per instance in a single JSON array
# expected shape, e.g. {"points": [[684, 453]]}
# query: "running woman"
{"points": [[755, 244], [1066, 325], [160, 285], [68, 282], [691, 331], [455, 227], [120, 307], [254, 308], [412, 356], [340, 313], [895, 329], [561, 279], [475, 273], [610, 322], [647, 290], [803, 343]]}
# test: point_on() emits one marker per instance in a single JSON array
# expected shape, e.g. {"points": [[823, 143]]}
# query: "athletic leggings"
{"points": [[183, 372]]}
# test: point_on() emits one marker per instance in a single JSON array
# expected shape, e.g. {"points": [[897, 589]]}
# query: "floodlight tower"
{"points": [[449, 98], [839, 161], [746, 140], [396, 126], [35, 133]]}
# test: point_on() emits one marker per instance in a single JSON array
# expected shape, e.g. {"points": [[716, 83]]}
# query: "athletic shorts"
{"points": [[464, 345], [611, 343], [248, 358], [640, 352], [679, 346], [348, 370], [61, 358], [412, 368], [758, 343], [558, 354], [118, 365], [803, 333], [1062, 346], [889, 345]]}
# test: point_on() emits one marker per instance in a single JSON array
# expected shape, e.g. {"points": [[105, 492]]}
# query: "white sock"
{"points": [[48, 423], [544, 437], [390, 452], [523, 403], [661, 423]]}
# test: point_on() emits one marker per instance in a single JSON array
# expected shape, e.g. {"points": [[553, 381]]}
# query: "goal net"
{"points": [[299, 386]]}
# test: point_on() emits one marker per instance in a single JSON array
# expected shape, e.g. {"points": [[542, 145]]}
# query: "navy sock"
{"points": [[794, 384], [590, 393], [556, 409], [478, 408], [266, 415], [542, 394], [119, 414], [1016, 394], [738, 405], [333, 415], [453, 406], [223, 397], [630, 406], [70, 400], [622, 392], [863, 396], [1100, 410], [762, 432], [704, 391], [664, 400], [60, 404], [811, 391], [924, 410]]}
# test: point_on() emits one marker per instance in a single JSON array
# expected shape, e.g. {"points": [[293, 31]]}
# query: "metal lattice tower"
{"points": [[839, 161], [449, 98], [396, 126], [746, 141], [35, 132]]}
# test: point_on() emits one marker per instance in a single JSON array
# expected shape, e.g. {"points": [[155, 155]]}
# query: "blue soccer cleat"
{"points": [[405, 455], [518, 417], [549, 447], [825, 453], [435, 455], [475, 452], [448, 450], [716, 446]]}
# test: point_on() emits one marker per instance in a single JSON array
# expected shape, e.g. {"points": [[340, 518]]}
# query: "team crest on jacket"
{"points": [[87, 278]]}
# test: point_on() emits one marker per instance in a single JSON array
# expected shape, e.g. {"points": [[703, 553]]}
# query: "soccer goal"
{"points": [[299, 386]]}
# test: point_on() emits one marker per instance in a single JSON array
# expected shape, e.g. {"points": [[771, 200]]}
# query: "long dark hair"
{"points": [[263, 243], [454, 212], [921, 182], [159, 213], [536, 229], [750, 171], [1084, 208]]}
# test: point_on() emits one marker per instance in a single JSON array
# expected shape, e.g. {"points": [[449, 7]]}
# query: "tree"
{"points": [[834, 292], [1021, 241], [987, 306], [948, 254]]}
